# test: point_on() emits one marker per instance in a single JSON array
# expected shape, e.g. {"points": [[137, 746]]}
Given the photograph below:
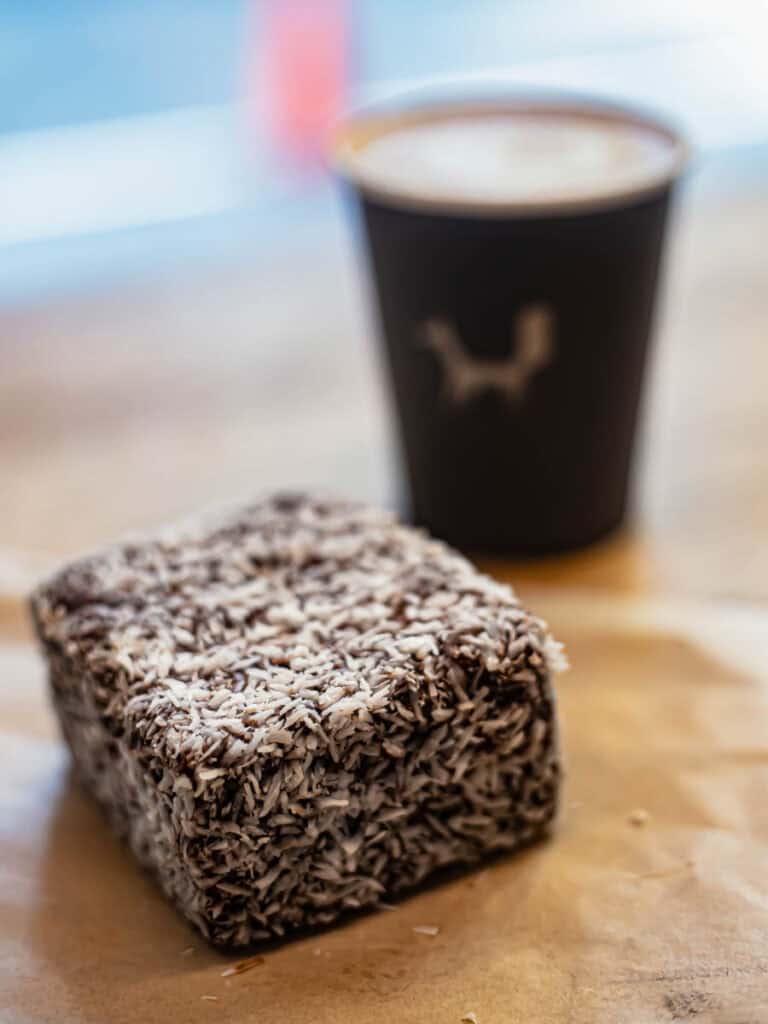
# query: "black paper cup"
{"points": [[517, 336]]}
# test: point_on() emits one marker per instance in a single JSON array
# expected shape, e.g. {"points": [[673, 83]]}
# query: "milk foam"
{"points": [[510, 157]]}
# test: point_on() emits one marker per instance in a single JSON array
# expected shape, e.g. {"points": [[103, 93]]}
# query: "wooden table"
{"points": [[123, 409]]}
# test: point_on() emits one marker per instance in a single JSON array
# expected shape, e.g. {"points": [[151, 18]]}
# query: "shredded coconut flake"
{"points": [[300, 706]]}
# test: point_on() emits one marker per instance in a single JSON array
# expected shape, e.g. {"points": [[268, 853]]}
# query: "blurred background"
{"points": [[183, 307]]}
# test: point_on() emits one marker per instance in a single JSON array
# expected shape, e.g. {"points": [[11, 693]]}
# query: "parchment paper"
{"points": [[614, 920]]}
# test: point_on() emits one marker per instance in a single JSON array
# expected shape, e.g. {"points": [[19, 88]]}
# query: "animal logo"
{"points": [[465, 377]]}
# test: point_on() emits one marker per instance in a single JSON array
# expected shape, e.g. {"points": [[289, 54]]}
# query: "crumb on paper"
{"points": [[639, 817], [187, 951], [684, 1005], [242, 966], [469, 1018], [317, 952], [210, 999], [427, 929]]}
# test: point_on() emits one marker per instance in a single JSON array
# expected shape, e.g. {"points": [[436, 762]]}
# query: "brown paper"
{"points": [[650, 904]]}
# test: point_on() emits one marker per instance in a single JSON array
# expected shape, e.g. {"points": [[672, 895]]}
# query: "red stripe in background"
{"points": [[298, 64]]}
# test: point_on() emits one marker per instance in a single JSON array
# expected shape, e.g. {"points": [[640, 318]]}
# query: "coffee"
{"points": [[520, 157], [515, 248]]}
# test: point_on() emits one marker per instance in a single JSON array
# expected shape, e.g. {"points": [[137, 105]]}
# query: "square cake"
{"points": [[300, 707]]}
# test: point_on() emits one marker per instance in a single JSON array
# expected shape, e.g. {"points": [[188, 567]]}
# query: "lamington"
{"points": [[299, 708]]}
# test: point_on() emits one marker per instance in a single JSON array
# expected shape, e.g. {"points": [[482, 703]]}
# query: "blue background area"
{"points": [[85, 61]]}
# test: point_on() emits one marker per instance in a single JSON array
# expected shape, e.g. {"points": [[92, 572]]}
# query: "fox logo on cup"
{"points": [[465, 377]]}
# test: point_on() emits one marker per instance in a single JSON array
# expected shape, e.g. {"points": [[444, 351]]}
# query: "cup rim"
{"points": [[372, 120]]}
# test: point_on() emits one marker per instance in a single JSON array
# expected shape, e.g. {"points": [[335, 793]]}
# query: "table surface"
{"points": [[126, 408]]}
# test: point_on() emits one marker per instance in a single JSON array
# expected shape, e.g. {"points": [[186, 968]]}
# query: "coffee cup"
{"points": [[515, 246]]}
